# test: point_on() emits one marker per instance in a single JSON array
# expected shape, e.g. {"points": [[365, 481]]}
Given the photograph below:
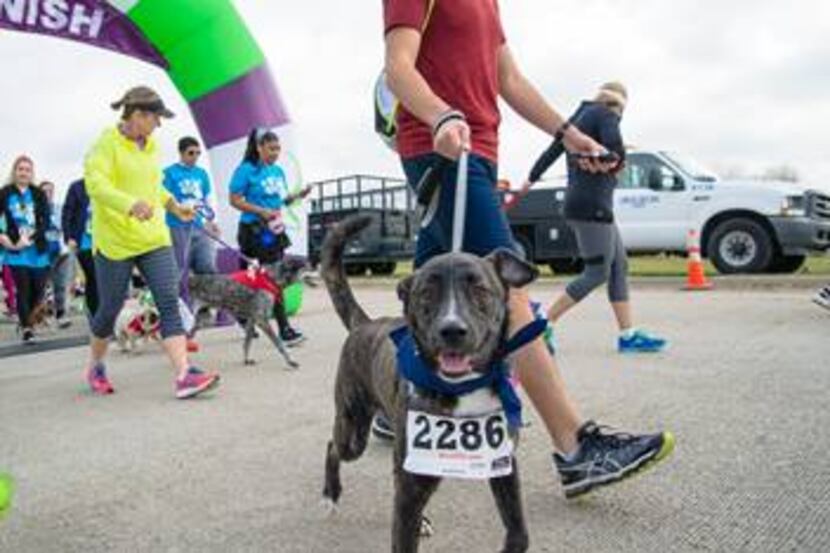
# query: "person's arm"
{"points": [[99, 177], [69, 214], [611, 137], [548, 158], [415, 94]]}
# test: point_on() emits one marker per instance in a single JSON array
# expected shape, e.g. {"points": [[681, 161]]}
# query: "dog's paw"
{"points": [[291, 365], [426, 531], [329, 507], [249, 362]]}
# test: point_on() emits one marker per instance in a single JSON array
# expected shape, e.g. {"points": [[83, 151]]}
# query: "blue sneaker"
{"points": [[641, 341]]}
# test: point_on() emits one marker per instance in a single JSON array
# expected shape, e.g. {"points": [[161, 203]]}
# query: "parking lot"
{"points": [[744, 386]]}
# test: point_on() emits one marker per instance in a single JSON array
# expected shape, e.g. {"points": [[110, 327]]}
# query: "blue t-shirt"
{"points": [[53, 233], [189, 185], [86, 239], [260, 185], [22, 209]]}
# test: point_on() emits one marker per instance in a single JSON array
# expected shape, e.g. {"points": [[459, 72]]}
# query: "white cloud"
{"points": [[734, 83]]}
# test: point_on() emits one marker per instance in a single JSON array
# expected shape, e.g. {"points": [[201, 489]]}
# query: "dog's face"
{"points": [[456, 307], [288, 271]]}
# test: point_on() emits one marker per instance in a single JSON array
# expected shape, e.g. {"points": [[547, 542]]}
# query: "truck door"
{"points": [[651, 205]]}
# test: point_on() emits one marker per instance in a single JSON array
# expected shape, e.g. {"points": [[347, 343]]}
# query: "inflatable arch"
{"points": [[211, 57]]}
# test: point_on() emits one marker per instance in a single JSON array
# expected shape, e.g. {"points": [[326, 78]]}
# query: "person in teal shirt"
{"points": [[193, 249], [259, 189], [25, 210]]}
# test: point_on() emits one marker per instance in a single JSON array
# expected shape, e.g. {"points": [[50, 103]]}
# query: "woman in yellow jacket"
{"points": [[124, 180]]}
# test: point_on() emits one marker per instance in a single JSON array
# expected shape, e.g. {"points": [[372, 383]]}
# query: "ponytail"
{"points": [[256, 138]]}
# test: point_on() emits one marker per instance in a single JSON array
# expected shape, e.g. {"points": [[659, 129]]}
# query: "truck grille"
{"points": [[819, 206]]}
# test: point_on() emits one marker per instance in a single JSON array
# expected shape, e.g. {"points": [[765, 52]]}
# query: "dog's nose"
{"points": [[453, 332]]}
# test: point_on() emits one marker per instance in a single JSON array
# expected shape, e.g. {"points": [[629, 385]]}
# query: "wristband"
{"points": [[560, 132], [446, 117]]}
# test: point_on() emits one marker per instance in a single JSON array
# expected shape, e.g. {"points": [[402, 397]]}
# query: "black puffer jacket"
{"points": [[42, 215]]}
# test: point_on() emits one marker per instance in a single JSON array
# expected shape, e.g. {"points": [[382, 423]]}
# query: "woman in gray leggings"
{"points": [[589, 210]]}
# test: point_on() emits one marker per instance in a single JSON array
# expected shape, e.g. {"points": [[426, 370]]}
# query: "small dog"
{"points": [[246, 304], [138, 320], [40, 314], [456, 309]]}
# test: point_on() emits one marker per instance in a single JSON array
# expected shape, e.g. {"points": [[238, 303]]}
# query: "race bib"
{"points": [[473, 448]]}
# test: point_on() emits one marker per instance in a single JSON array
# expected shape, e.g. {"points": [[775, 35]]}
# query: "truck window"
{"points": [[645, 171]]}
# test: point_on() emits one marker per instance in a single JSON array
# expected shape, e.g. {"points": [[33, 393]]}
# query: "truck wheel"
{"points": [[787, 264], [384, 269], [740, 246], [566, 266], [355, 269]]}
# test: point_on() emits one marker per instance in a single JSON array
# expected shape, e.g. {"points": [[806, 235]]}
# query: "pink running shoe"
{"points": [[196, 382], [99, 384]]}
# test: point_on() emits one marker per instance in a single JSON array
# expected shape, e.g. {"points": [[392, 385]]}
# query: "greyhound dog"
{"points": [[252, 306], [456, 309]]}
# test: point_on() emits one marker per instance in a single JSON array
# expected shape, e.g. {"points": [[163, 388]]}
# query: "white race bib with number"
{"points": [[474, 447]]}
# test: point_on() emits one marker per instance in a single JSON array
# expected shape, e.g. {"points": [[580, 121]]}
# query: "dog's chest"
{"points": [[479, 402]]}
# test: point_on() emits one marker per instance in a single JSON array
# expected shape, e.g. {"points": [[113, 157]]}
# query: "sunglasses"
{"points": [[193, 152]]}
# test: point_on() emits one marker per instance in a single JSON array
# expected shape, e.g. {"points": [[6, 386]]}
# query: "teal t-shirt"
{"points": [[22, 209], [189, 185], [261, 185]]}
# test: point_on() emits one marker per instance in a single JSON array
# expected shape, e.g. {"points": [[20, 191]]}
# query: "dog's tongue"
{"points": [[454, 364]]}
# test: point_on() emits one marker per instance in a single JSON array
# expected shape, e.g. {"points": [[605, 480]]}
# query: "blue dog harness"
{"points": [[412, 367]]}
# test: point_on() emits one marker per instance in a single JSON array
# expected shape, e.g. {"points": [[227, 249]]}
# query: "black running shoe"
{"points": [[292, 337], [606, 458], [28, 336], [382, 428]]}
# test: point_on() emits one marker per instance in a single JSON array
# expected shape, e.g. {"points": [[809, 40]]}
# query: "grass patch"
{"points": [[664, 266]]}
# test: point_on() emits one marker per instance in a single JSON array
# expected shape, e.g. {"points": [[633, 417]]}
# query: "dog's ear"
{"points": [[404, 287], [512, 270]]}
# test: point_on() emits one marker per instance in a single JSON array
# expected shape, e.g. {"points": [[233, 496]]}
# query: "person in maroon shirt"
{"points": [[448, 78]]}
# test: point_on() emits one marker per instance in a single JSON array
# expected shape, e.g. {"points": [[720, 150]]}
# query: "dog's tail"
{"points": [[333, 273]]}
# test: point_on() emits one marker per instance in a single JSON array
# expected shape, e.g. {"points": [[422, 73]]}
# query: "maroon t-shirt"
{"points": [[459, 59]]}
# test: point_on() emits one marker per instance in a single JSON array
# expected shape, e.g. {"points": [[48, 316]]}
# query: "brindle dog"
{"points": [[246, 304], [456, 308]]}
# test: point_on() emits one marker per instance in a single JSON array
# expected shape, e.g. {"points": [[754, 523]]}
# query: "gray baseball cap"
{"points": [[145, 99]]}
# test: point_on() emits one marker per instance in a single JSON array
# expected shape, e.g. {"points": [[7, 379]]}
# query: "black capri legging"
{"points": [[158, 268], [87, 263]]}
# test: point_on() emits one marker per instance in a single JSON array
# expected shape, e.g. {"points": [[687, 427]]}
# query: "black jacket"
{"points": [[590, 196], [75, 212], [42, 215]]}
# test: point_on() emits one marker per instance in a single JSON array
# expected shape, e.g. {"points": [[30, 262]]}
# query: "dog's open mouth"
{"points": [[454, 364]]}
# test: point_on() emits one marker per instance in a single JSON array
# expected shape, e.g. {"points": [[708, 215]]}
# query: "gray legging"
{"points": [[159, 270], [602, 250]]}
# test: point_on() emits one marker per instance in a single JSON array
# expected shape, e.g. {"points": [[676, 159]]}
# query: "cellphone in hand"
{"points": [[605, 157]]}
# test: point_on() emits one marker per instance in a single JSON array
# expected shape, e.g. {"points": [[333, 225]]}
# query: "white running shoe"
{"points": [[822, 298]]}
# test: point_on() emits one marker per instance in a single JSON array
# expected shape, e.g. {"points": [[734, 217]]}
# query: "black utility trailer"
{"points": [[391, 238]]}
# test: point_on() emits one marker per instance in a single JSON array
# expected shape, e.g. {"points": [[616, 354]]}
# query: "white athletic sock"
{"points": [[628, 333]]}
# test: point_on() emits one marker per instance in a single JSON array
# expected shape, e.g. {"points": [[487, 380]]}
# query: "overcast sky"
{"points": [[738, 84]]}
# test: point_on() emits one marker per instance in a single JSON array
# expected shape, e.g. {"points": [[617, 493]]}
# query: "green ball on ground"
{"points": [[6, 490]]}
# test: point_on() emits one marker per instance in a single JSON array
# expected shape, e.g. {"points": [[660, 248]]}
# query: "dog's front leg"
{"points": [[508, 494], [412, 492], [246, 345]]}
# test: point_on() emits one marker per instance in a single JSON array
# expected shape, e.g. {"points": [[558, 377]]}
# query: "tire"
{"points": [[383, 269], [740, 245], [566, 266], [355, 269], [787, 264]]}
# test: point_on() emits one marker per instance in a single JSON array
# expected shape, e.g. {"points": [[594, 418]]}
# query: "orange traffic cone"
{"points": [[696, 278]]}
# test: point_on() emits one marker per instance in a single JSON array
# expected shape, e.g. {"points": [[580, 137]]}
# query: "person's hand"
{"points": [[142, 211], [72, 245], [268, 214], [24, 242], [305, 191], [452, 138], [212, 229], [526, 186], [184, 212], [577, 142]]}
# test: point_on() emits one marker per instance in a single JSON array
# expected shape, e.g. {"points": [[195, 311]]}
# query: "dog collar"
{"points": [[413, 368]]}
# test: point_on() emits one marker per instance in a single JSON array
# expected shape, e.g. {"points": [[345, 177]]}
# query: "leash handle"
{"points": [[430, 180], [460, 212]]}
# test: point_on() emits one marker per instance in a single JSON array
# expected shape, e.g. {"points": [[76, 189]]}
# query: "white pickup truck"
{"points": [[745, 226]]}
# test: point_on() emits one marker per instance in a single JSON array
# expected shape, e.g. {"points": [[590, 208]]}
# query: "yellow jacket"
{"points": [[118, 174]]}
